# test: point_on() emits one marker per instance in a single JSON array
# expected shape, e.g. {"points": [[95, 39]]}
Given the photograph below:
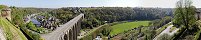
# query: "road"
{"points": [[167, 31]]}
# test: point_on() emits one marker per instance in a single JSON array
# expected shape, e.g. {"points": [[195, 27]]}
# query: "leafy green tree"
{"points": [[165, 37], [106, 31], [149, 33], [184, 13], [64, 14], [31, 26], [18, 20], [3, 6]]}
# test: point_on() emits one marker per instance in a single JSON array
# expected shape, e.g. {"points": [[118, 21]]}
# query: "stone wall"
{"points": [[6, 13]]}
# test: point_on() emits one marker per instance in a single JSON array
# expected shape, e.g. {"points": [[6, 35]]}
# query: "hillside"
{"points": [[11, 32]]}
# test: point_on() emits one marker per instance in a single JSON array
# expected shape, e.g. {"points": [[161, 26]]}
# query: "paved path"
{"points": [[167, 31], [2, 37], [57, 33]]}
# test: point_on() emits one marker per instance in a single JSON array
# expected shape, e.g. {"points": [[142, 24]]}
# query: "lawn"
{"points": [[120, 28]]}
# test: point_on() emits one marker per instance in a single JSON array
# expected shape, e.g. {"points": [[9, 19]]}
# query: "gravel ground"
{"points": [[167, 31], [2, 37]]}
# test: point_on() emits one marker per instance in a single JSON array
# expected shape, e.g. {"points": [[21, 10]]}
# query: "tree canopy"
{"points": [[3, 6], [184, 13]]}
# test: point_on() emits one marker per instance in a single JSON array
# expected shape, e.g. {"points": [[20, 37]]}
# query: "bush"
{"points": [[32, 34], [40, 30], [31, 26], [88, 37], [165, 37], [196, 37], [106, 31]]}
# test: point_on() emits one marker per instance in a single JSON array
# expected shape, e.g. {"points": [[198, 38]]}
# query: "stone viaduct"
{"points": [[68, 31]]}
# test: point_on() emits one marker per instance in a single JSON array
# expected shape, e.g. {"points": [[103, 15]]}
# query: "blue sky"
{"points": [[93, 3]]}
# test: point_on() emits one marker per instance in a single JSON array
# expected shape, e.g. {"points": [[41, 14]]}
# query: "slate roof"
{"points": [[35, 21]]}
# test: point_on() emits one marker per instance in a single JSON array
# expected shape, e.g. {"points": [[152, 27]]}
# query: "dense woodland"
{"points": [[101, 15]]}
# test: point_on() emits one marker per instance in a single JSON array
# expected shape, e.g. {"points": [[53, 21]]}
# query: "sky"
{"points": [[94, 3]]}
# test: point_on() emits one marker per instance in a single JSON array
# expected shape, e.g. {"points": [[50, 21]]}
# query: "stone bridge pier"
{"points": [[68, 31], [72, 33]]}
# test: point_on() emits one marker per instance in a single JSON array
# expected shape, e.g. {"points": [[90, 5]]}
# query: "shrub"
{"points": [[106, 31], [33, 35], [31, 26], [165, 37]]}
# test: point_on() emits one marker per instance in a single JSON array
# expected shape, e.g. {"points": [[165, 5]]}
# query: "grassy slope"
{"points": [[11, 31], [119, 28]]}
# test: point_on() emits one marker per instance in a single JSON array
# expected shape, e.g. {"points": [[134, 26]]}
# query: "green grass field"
{"points": [[119, 28]]}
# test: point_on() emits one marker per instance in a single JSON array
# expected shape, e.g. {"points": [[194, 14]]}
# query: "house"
{"points": [[40, 17], [36, 22], [198, 14]]}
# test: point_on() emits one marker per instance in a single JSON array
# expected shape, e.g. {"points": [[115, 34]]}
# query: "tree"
{"points": [[165, 37], [31, 26], [3, 6], [106, 31], [148, 32], [184, 13], [63, 14]]}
